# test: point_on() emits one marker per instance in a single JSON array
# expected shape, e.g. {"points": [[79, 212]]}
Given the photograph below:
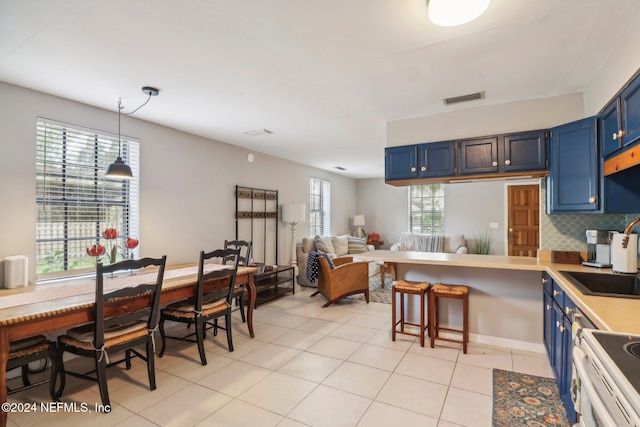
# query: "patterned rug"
{"points": [[526, 400], [376, 292]]}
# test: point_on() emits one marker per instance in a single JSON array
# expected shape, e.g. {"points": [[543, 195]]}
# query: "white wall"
{"points": [[187, 182], [622, 61], [518, 116]]}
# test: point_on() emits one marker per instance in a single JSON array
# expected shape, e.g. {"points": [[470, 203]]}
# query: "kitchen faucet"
{"points": [[627, 231]]}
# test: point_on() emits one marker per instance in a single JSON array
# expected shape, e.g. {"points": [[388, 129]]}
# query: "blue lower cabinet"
{"points": [[558, 309]]}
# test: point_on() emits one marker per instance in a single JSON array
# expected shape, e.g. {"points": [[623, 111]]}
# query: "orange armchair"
{"points": [[348, 278]]}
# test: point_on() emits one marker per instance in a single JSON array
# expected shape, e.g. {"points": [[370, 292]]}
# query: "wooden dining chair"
{"points": [[206, 305], [25, 351], [244, 256], [124, 318]]}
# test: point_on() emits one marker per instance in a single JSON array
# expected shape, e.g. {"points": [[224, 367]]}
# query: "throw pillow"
{"points": [[357, 245], [453, 243], [323, 244], [328, 258], [340, 244]]}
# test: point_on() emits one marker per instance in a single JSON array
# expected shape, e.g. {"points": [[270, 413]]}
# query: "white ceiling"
{"points": [[324, 75]]}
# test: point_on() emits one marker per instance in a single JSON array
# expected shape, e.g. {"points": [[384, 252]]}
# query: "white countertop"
{"points": [[607, 313]]}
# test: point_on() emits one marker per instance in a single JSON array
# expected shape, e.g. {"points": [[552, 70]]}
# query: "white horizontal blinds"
{"points": [[319, 207], [75, 201], [426, 209]]}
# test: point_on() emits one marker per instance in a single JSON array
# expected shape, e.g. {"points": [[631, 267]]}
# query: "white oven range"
{"points": [[607, 379]]}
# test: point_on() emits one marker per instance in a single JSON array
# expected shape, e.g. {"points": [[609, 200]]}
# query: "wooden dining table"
{"points": [[49, 314]]}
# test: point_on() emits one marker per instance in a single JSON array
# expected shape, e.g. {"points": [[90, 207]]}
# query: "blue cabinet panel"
{"points": [[573, 178], [401, 163], [609, 127], [436, 159], [630, 109], [525, 151], [479, 156]]}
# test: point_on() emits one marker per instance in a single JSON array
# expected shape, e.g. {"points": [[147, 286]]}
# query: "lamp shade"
{"points": [[294, 212], [119, 169], [449, 13], [358, 220]]}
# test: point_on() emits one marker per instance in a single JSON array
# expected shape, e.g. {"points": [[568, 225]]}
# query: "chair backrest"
{"points": [[224, 278], [130, 303], [247, 245]]}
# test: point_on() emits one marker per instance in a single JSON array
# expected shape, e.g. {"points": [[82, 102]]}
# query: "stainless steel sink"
{"points": [[605, 285]]}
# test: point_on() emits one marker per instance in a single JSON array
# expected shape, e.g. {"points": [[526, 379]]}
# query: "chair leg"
{"points": [[128, 359], [200, 327], [393, 313], [366, 295], [227, 319], [101, 373], [163, 337], [59, 373], [151, 364], [465, 323], [433, 314], [25, 375], [242, 313]]}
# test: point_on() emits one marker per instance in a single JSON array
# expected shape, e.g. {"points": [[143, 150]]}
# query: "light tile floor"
{"points": [[335, 366]]}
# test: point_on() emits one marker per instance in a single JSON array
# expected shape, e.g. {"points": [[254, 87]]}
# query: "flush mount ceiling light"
{"points": [[119, 169], [449, 13], [259, 132]]}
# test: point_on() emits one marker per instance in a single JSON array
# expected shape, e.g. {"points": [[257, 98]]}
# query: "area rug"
{"points": [[526, 400], [376, 292]]}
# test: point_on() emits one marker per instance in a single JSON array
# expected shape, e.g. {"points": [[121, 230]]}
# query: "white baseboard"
{"points": [[507, 344]]}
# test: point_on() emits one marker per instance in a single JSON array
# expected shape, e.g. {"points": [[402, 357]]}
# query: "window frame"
{"points": [[75, 202], [433, 197], [319, 207]]}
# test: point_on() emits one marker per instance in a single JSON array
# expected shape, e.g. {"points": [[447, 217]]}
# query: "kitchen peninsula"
{"points": [[505, 299]]}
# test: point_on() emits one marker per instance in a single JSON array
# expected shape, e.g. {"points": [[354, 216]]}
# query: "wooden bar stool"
{"points": [[403, 287], [449, 291]]}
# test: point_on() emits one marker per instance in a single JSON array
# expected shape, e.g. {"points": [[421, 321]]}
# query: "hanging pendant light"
{"points": [[119, 169], [449, 13]]}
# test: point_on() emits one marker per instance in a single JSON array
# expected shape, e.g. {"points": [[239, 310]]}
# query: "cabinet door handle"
{"points": [[413, 169], [548, 307], [568, 310], [423, 169], [544, 280], [494, 164], [615, 136], [592, 199], [618, 135], [556, 293], [507, 162]]}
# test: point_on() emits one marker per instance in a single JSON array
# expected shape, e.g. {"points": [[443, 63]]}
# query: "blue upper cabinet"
{"points": [[436, 159], [430, 160], [573, 179], [610, 128], [401, 163], [630, 112], [525, 151], [620, 120], [479, 156]]}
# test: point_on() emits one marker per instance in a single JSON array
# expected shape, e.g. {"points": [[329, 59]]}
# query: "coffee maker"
{"points": [[599, 248]]}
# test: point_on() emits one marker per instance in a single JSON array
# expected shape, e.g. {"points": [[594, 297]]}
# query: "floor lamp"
{"points": [[293, 214]]}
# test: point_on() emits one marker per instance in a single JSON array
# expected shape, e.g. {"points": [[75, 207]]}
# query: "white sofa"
{"points": [[455, 244], [336, 247]]}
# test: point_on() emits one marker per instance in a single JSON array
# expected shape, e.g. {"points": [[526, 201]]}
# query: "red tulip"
{"points": [[96, 250], [132, 243], [110, 233]]}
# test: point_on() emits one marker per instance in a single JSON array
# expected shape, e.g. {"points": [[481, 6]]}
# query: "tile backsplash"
{"points": [[566, 232]]}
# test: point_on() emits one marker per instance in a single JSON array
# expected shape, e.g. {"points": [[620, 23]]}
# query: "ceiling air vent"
{"points": [[340, 168], [463, 98]]}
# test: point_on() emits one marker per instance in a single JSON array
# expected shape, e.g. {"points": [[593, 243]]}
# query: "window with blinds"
{"points": [[426, 209], [319, 207], [75, 202]]}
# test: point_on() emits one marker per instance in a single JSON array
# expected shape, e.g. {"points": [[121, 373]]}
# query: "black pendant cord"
{"points": [[145, 103], [120, 107]]}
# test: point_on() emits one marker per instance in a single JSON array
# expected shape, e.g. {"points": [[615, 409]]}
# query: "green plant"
{"points": [[483, 244]]}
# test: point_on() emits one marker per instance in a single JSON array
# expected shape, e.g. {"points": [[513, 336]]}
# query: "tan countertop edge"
{"points": [[612, 314]]}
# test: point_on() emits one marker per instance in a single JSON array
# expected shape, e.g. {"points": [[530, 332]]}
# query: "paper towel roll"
{"points": [[15, 272], [624, 260]]}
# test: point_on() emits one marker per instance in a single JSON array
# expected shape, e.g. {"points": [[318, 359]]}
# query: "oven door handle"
{"points": [[580, 361]]}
